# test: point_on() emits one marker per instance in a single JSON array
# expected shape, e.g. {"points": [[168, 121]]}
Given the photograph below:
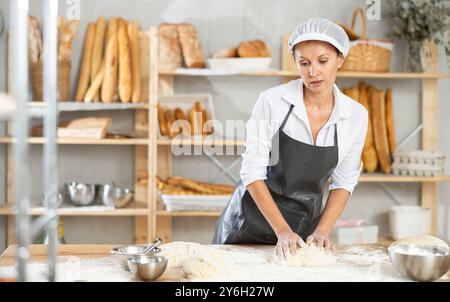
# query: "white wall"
{"points": [[223, 24]]}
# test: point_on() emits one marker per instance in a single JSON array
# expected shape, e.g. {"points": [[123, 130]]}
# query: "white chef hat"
{"points": [[322, 30]]}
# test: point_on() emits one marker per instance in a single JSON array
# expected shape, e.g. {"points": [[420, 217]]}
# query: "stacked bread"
{"points": [[380, 142], [110, 64], [179, 43], [177, 185], [173, 122]]}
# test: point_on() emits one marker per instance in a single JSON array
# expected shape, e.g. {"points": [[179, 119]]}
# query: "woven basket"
{"points": [[367, 54], [36, 74]]}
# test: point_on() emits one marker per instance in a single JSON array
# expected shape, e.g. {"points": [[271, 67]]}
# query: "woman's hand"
{"points": [[320, 239], [288, 242]]}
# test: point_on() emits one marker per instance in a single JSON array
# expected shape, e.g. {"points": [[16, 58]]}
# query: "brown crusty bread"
{"points": [[109, 84], [369, 154], [133, 34], [226, 53], [125, 76], [85, 68], [162, 121], [253, 48], [97, 51], [390, 121], [169, 47], [191, 46], [378, 112]]}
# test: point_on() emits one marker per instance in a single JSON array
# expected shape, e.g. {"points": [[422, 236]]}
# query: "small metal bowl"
{"points": [[110, 195], [147, 267], [123, 253], [80, 194], [420, 263]]}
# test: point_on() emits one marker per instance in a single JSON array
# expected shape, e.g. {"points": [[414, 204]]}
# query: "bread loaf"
{"points": [[169, 47], [125, 76], [170, 119], [85, 69], [253, 48], [67, 32], [94, 89], [190, 46], [196, 119], [97, 51], [379, 129], [109, 84], [226, 53], [390, 121], [133, 34]]}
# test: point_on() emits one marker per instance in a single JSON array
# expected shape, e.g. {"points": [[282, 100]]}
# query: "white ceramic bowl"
{"points": [[409, 221]]}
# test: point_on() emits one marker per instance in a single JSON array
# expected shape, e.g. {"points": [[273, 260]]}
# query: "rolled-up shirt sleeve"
{"points": [[346, 174], [258, 143]]}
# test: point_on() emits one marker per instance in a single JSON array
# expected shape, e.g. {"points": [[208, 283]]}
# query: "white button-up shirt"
{"points": [[269, 112]]}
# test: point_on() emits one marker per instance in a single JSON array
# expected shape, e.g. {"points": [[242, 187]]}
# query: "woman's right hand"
{"points": [[288, 242]]}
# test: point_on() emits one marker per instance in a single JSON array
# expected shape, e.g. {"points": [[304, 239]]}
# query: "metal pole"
{"points": [[19, 31], [50, 10]]}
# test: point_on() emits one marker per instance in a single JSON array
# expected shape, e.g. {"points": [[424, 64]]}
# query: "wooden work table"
{"points": [[362, 262]]}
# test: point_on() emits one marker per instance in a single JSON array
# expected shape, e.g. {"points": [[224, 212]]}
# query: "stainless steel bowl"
{"points": [[123, 253], [146, 267], [110, 195], [420, 263], [80, 194]]}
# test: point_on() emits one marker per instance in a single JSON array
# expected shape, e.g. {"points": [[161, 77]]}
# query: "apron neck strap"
{"points": [[287, 116], [335, 135]]}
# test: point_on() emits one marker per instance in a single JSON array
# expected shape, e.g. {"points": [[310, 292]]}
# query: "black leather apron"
{"points": [[296, 184]]}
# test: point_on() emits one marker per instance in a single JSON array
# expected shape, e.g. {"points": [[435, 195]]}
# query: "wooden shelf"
{"points": [[188, 214], [80, 106], [200, 142], [135, 209], [380, 177], [283, 73], [73, 141]]}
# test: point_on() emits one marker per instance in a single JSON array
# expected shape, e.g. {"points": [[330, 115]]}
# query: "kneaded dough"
{"points": [[424, 240], [309, 255], [198, 261]]}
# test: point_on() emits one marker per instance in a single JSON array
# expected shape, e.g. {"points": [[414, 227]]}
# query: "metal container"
{"points": [[147, 267], [123, 253], [111, 195], [80, 194], [420, 263]]}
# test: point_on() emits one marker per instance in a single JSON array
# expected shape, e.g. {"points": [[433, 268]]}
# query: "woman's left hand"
{"points": [[321, 240]]}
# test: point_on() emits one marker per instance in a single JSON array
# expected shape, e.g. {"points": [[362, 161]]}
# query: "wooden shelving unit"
{"points": [[141, 209]]}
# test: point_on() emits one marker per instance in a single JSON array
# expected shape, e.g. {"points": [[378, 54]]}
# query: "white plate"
{"points": [[240, 64]]}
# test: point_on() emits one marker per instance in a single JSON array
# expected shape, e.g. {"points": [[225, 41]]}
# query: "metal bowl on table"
{"points": [[80, 194], [147, 267], [111, 195], [123, 253], [420, 263]]}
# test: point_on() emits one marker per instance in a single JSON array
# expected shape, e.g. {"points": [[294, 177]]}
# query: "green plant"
{"points": [[418, 20]]}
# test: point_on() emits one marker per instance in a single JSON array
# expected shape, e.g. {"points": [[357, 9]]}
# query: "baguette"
{"points": [[170, 119], [379, 129], [83, 79], [109, 84], [162, 121], [390, 121], [369, 155], [125, 76], [193, 185], [196, 118], [191, 46], [95, 85], [97, 51], [133, 34], [179, 114]]}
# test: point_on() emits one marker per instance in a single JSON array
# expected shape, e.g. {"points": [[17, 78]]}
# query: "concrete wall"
{"points": [[223, 24]]}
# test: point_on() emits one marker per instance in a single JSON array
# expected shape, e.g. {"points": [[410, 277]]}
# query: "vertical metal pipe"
{"points": [[19, 31], [50, 12]]}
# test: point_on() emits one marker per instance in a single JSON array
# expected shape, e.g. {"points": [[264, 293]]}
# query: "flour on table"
{"points": [[424, 240], [198, 261], [309, 255]]}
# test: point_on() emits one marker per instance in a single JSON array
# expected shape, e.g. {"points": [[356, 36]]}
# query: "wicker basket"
{"points": [[367, 54], [36, 74]]}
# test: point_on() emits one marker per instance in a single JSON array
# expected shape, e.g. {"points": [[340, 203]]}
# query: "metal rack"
{"points": [[25, 230]]}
